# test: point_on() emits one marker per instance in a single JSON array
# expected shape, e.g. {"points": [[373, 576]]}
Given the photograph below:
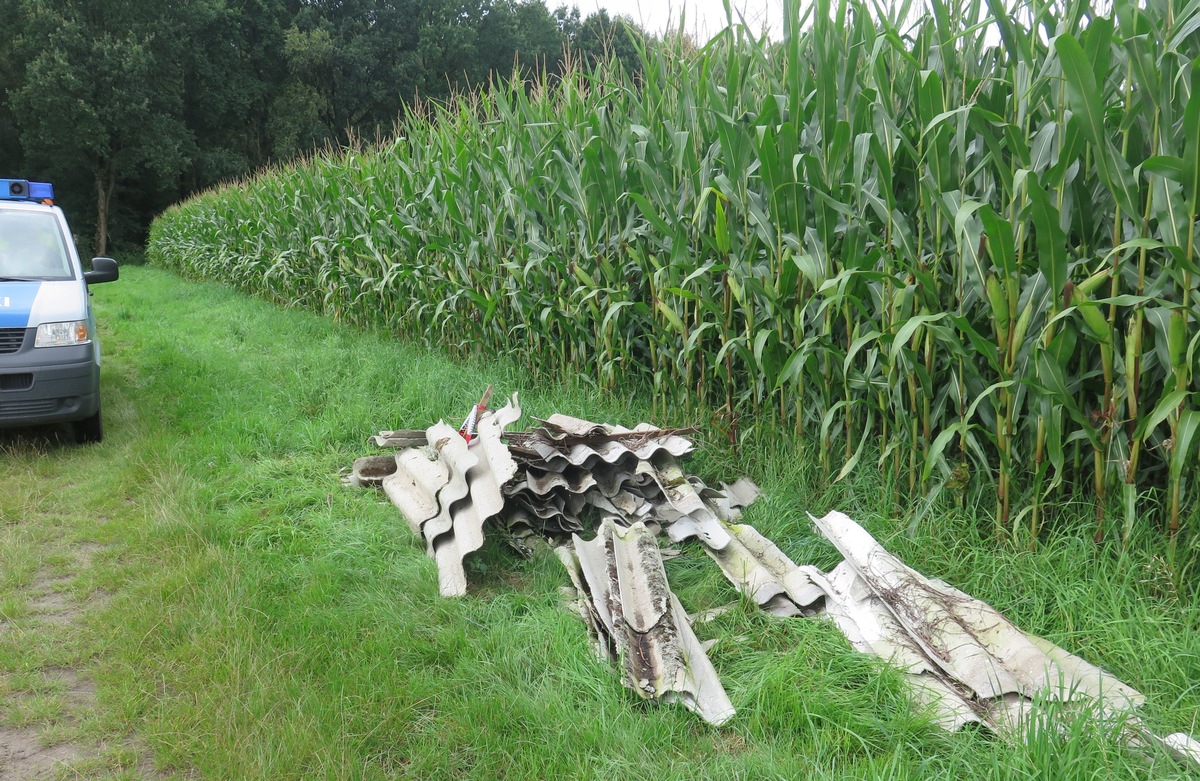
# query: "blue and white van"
{"points": [[49, 357]]}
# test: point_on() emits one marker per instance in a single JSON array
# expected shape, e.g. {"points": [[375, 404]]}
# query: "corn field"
{"points": [[955, 243]]}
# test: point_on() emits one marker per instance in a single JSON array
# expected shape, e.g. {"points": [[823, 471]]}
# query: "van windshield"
{"points": [[31, 246]]}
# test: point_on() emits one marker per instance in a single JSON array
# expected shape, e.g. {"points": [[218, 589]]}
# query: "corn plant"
{"points": [[959, 240]]}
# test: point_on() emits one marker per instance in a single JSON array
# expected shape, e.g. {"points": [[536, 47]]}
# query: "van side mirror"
{"points": [[103, 270]]}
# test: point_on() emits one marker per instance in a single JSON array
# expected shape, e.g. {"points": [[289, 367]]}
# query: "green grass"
{"points": [[260, 621]]}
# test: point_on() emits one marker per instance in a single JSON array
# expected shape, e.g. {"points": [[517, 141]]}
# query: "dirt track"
{"points": [[40, 720]]}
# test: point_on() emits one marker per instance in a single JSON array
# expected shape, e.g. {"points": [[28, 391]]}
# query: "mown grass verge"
{"points": [[262, 622]]}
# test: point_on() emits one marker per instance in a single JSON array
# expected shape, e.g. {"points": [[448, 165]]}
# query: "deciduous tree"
{"points": [[102, 93]]}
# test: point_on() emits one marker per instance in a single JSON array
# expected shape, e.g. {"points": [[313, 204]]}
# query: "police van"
{"points": [[49, 357]]}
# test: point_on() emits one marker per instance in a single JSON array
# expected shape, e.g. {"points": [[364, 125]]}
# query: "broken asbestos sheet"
{"points": [[963, 659], [980, 666], [635, 620]]}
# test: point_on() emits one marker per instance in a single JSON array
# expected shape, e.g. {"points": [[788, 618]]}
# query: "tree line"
{"points": [[129, 105]]}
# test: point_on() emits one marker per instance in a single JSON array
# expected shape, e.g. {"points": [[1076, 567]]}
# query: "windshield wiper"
{"points": [[15, 279]]}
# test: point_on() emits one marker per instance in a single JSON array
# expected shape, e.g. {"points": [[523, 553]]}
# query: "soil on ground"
{"points": [[41, 714]]}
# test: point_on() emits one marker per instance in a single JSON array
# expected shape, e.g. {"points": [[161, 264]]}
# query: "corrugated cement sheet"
{"points": [[635, 619], [962, 658], [966, 643], [449, 489]]}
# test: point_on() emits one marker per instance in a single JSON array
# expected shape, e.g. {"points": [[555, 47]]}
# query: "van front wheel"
{"points": [[89, 430]]}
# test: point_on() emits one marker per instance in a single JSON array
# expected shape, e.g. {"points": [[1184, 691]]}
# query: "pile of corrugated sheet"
{"points": [[448, 488], [559, 479], [563, 477], [571, 468], [567, 476]]}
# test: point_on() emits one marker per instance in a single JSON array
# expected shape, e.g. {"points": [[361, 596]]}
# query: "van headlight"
{"points": [[62, 334]]}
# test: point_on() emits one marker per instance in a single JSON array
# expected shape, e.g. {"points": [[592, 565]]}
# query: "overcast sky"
{"points": [[704, 19]]}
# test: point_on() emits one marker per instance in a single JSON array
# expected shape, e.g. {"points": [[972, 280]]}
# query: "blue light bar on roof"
{"points": [[21, 190], [41, 191]]}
